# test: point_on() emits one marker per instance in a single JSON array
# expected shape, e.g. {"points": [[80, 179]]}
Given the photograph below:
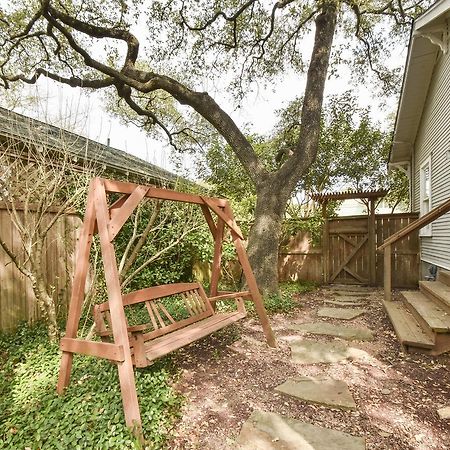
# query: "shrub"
{"points": [[285, 301], [90, 414]]}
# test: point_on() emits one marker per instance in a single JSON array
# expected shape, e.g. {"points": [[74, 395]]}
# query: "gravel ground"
{"points": [[228, 375]]}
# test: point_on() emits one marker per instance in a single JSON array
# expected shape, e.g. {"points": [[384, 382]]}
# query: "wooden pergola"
{"points": [[372, 198]]}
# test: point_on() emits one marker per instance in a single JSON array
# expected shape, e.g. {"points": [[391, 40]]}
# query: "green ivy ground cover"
{"points": [[90, 414]]}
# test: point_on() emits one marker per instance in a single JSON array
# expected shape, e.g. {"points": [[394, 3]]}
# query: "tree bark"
{"points": [[265, 233], [48, 309], [275, 190], [40, 288]]}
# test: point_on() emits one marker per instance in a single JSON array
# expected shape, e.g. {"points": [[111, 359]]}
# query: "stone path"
{"points": [[340, 313], [347, 333], [313, 352], [339, 302], [268, 430], [347, 293], [321, 390]]}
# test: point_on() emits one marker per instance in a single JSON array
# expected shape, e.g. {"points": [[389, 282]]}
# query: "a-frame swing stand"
{"points": [[128, 346]]}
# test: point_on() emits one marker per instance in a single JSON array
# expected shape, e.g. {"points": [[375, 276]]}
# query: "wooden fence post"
{"points": [[372, 244], [387, 273], [325, 243]]}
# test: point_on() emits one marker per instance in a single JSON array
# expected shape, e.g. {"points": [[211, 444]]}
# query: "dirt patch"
{"points": [[232, 373]]}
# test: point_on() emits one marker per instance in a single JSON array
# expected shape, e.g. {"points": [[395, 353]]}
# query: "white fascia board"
{"points": [[417, 77], [437, 10]]}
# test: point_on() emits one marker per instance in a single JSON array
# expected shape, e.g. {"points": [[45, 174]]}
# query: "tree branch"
{"points": [[133, 256], [156, 256], [306, 148], [14, 259]]}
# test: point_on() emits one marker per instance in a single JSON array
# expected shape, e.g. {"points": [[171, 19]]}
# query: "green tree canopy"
{"points": [[158, 57], [353, 153]]}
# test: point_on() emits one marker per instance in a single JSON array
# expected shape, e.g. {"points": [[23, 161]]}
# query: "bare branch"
{"points": [[100, 32], [133, 256], [14, 259], [218, 14], [157, 255]]}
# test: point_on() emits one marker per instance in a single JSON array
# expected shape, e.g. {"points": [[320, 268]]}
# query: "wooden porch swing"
{"points": [[138, 345]]}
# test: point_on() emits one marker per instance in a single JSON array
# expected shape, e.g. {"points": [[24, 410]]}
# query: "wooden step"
{"points": [[406, 327], [427, 312], [444, 277], [438, 292]]}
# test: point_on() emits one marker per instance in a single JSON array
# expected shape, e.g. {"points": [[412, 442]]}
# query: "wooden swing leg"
{"points": [[252, 285], [118, 319], [79, 283], [215, 275], [129, 397], [253, 288]]}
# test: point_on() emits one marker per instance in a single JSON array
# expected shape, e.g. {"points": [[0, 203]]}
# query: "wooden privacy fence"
{"points": [[346, 256], [17, 301], [298, 260]]}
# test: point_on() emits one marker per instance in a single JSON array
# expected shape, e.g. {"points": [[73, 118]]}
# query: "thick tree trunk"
{"points": [[275, 190], [265, 233]]}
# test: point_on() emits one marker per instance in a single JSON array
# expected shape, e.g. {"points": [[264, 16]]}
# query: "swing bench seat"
{"points": [[179, 314]]}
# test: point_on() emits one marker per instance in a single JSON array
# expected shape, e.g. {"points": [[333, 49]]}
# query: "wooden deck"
{"points": [[437, 290], [444, 277]]}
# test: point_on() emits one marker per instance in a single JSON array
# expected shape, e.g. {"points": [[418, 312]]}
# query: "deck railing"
{"points": [[386, 246]]}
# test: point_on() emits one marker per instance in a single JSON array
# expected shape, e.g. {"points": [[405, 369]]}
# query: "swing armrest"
{"points": [[238, 297], [133, 329], [231, 295], [137, 328]]}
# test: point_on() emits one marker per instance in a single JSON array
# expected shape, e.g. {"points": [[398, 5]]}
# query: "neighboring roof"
{"points": [[346, 195], [17, 126], [425, 43]]}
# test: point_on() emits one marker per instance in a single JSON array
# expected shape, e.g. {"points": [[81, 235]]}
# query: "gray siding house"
{"points": [[421, 144]]}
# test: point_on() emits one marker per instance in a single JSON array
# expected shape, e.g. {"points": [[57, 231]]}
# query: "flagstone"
{"points": [[344, 332], [350, 293], [267, 431], [340, 313], [350, 298], [444, 413], [321, 390], [344, 303], [350, 287], [305, 351]]}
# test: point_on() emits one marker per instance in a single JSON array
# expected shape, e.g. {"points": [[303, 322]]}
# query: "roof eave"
{"points": [[422, 55]]}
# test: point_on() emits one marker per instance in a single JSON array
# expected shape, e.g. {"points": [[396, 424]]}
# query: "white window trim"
{"points": [[427, 230]]}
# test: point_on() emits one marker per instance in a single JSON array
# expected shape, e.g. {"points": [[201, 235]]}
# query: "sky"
{"points": [[85, 114]]}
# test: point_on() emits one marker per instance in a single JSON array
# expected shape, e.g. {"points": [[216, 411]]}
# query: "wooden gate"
{"points": [[349, 251]]}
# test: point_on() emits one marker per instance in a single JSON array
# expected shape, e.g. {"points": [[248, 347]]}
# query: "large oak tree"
{"points": [[93, 44]]}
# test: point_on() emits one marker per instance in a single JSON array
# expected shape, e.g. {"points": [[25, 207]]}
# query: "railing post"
{"points": [[388, 273]]}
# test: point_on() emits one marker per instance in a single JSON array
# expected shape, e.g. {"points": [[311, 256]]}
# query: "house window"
{"points": [[425, 194]]}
